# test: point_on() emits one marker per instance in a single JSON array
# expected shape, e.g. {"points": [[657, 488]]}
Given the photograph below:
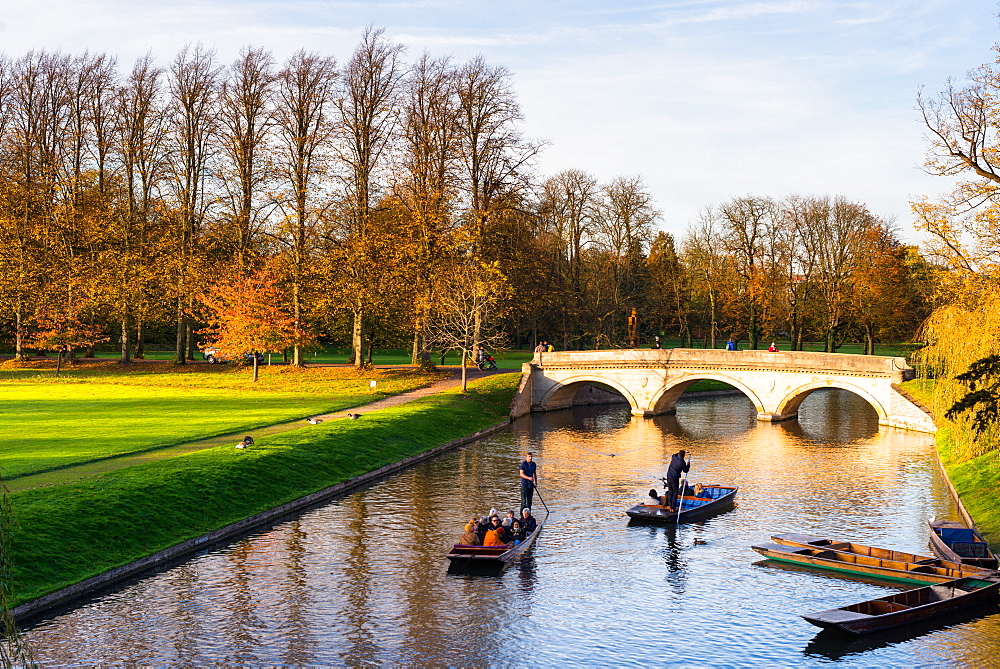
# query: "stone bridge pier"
{"points": [[652, 381]]}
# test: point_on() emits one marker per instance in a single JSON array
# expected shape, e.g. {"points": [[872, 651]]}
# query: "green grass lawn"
{"points": [[977, 481], [66, 533], [98, 410]]}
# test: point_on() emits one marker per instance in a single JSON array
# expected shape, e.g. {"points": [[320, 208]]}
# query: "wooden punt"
{"points": [[958, 543], [810, 541], [851, 563], [907, 607], [491, 560], [714, 499]]}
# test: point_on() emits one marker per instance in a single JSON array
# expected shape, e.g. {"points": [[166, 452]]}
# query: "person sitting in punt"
{"points": [[528, 522], [497, 525], [509, 520], [516, 533], [493, 538], [700, 491], [654, 499], [481, 526], [469, 537]]}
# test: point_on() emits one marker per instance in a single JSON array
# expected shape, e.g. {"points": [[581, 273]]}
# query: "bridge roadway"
{"points": [[652, 380]]}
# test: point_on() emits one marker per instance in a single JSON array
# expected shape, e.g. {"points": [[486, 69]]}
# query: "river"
{"points": [[363, 580]]}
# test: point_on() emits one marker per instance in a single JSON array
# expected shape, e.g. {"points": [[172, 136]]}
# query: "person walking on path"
{"points": [[773, 348], [541, 347], [527, 472], [731, 344], [674, 471]]}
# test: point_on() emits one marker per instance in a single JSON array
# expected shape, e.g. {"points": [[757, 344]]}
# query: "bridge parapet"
{"points": [[652, 380], [694, 358]]}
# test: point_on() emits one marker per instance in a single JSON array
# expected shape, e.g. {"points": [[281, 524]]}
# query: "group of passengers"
{"points": [[697, 491], [492, 530]]}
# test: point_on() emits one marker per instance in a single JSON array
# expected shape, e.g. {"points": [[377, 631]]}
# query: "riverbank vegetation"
{"points": [[102, 410], [134, 196], [963, 333], [66, 533]]}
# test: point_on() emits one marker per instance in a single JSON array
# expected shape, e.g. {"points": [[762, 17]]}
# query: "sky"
{"points": [[707, 100]]}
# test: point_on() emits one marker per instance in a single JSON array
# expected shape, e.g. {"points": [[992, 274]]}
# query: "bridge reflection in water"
{"points": [[363, 580]]}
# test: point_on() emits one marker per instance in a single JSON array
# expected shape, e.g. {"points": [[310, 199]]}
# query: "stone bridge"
{"points": [[653, 380]]}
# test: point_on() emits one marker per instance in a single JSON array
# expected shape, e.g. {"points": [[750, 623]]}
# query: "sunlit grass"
{"points": [[100, 410]]}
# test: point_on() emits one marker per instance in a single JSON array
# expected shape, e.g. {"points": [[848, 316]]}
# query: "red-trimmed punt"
{"points": [[492, 560], [908, 607]]}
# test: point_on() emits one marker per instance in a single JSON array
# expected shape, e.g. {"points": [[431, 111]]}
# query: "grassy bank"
{"points": [[976, 479], [70, 532], [99, 410]]}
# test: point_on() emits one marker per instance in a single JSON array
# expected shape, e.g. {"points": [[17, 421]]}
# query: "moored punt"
{"points": [[907, 607], [810, 541], [714, 499], [492, 560], [891, 570], [958, 543]]}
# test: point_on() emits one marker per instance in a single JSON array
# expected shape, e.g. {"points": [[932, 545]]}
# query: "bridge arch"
{"points": [[665, 399], [562, 394], [789, 405]]}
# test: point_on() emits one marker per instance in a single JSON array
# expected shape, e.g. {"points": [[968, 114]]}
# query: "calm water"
{"points": [[363, 580]]}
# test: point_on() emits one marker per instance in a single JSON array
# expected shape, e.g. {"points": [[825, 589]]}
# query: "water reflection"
{"points": [[364, 580]]}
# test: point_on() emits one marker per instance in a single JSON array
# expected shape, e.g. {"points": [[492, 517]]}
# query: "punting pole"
{"points": [[680, 493], [542, 500]]}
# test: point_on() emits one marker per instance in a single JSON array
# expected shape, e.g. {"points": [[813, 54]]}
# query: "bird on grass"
{"points": [[354, 416], [313, 421], [247, 441]]}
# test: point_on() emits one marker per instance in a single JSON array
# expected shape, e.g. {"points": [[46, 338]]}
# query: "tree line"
{"points": [[367, 196]]}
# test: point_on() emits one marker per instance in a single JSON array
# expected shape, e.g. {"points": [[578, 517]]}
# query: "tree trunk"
{"points": [[59, 361], [465, 384], [180, 356], [19, 334], [189, 339], [869, 339], [140, 340], [255, 367], [126, 344], [358, 339]]}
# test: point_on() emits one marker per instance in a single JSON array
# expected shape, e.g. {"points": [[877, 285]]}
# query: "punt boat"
{"points": [[851, 563], [958, 543], [714, 499], [490, 560], [810, 541], [907, 607]]}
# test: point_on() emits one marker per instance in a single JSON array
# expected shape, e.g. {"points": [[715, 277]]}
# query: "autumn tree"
{"points": [[304, 128], [369, 115], [428, 183], [193, 126], [62, 330], [246, 316]]}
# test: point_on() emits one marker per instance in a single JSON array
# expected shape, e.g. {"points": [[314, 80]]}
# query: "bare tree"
{"points": [[246, 118], [468, 308], [495, 155], [304, 94]]}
